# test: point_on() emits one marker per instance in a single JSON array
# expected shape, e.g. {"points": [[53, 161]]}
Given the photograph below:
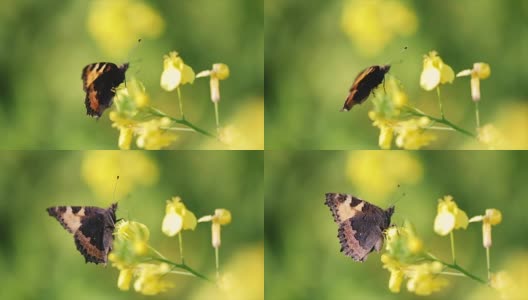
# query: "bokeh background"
{"points": [[38, 258], [315, 49], [45, 45], [302, 257]]}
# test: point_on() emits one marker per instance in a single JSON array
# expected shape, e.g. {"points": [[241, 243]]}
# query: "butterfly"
{"points": [[365, 82], [361, 224], [92, 229], [99, 82]]}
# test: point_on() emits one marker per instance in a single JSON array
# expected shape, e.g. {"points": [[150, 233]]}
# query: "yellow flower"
{"points": [[124, 279], [491, 217], [175, 72], [152, 279], [177, 217], [435, 72], [132, 231], [217, 73], [221, 217], [396, 268], [100, 168], [153, 134], [371, 25], [479, 71], [412, 135], [449, 216], [125, 126], [402, 242], [424, 279], [115, 25], [395, 281], [386, 129]]}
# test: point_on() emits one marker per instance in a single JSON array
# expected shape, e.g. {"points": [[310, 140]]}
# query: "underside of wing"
{"points": [[93, 71], [358, 238], [343, 206], [70, 217], [89, 240]]}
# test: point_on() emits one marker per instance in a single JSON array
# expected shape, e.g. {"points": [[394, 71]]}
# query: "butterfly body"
{"points": [[361, 224], [366, 81], [99, 82], [92, 229]]}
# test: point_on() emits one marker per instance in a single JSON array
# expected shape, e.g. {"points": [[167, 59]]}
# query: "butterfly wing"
{"points": [[90, 238], [99, 83], [361, 224], [363, 85], [360, 235], [91, 226], [343, 206]]}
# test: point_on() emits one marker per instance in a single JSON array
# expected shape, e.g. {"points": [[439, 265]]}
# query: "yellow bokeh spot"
{"points": [[372, 25], [100, 169], [378, 173], [244, 130], [242, 277], [117, 25]]}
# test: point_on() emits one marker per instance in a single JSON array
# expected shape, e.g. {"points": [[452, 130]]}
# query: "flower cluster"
{"points": [[396, 117], [407, 259], [152, 129], [411, 132], [139, 262]]}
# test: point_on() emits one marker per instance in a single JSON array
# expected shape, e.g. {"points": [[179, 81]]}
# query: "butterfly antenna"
{"points": [[115, 188], [401, 60], [401, 197]]}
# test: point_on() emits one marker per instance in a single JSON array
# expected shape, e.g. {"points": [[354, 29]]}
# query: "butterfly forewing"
{"points": [[99, 82]]}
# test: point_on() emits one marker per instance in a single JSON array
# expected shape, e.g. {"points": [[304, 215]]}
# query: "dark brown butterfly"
{"points": [[92, 229], [366, 81], [99, 82], [361, 224]]}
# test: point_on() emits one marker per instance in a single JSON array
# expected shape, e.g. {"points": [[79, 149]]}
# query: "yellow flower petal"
{"points": [[170, 78], [172, 224], [124, 279], [430, 78], [220, 71], [444, 223]]}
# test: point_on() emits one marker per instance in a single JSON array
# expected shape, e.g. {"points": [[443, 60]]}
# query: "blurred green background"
{"points": [[39, 260], [315, 49], [45, 45], [302, 257]]}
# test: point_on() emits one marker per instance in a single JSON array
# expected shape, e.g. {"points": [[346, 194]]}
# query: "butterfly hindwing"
{"points": [[361, 224], [92, 228], [99, 82]]}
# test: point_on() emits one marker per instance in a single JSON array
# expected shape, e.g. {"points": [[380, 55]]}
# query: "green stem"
{"points": [[180, 101], [452, 236], [444, 121], [159, 113], [180, 240], [458, 268], [216, 116], [488, 263], [217, 261], [182, 266], [440, 102], [477, 115]]}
